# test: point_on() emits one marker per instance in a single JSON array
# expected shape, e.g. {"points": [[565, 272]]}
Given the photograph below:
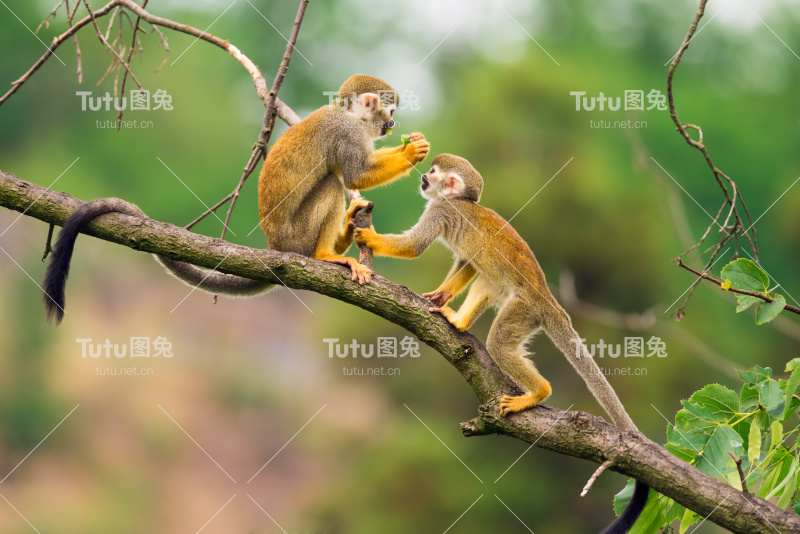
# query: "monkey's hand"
{"points": [[438, 298], [416, 151], [416, 136], [451, 315], [366, 236]]}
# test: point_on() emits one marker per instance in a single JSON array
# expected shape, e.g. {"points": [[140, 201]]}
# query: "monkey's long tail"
{"points": [[57, 272], [559, 328]]}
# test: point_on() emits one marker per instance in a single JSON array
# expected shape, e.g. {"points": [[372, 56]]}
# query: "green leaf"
{"points": [[770, 479], [674, 511], [754, 443], [755, 374], [796, 507], [769, 394], [715, 455], [652, 517], [406, 139], [688, 518], [790, 486], [776, 431], [733, 474], [719, 401], [792, 389], [769, 310], [624, 496], [748, 398], [745, 301], [792, 365], [745, 274]]}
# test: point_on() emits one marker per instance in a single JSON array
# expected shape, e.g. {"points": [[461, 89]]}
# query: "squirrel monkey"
{"points": [[509, 278], [301, 191]]}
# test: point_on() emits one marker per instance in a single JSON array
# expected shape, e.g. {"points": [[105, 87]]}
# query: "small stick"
{"points": [[605, 465], [363, 219]]}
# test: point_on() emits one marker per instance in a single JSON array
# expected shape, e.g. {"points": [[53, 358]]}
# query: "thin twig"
{"points": [[130, 56], [599, 471], [733, 197], [283, 111], [260, 147], [706, 276], [106, 43]]}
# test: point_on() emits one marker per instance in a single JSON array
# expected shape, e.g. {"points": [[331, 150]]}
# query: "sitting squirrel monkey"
{"points": [[301, 191], [509, 278]]}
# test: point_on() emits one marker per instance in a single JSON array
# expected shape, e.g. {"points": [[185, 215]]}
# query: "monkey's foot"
{"points": [[451, 315], [509, 405], [358, 273], [438, 298]]}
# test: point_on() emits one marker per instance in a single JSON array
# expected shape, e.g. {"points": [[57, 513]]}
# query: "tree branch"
{"points": [[283, 111], [705, 276], [576, 434]]}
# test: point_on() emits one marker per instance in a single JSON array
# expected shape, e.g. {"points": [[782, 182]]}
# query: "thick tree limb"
{"points": [[577, 434]]}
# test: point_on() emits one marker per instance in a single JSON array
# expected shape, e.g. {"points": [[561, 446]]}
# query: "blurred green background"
{"points": [[247, 375]]}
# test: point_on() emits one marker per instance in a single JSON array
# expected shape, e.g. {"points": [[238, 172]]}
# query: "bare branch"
{"points": [[283, 111], [260, 147]]}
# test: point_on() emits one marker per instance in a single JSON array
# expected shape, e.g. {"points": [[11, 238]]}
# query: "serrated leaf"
{"points": [[769, 394], [755, 374], [769, 310], [792, 389], [792, 365], [754, 442], [745, 301], [673, 511], [687, 455], [687, 422], [745, 274], [721, 402], [624, 496], [714, 457], [688, 518]]}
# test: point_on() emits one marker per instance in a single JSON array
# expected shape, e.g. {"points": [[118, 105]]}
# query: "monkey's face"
{"points": [[376, 115], [439, 183]]}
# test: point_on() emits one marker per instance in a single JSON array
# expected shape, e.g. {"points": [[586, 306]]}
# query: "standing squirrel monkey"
{"points": [[301, 191], [509, 278]]}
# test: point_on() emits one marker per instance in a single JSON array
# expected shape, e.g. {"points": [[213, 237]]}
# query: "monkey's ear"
{"points": [[454, 186], [369, 101]]}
